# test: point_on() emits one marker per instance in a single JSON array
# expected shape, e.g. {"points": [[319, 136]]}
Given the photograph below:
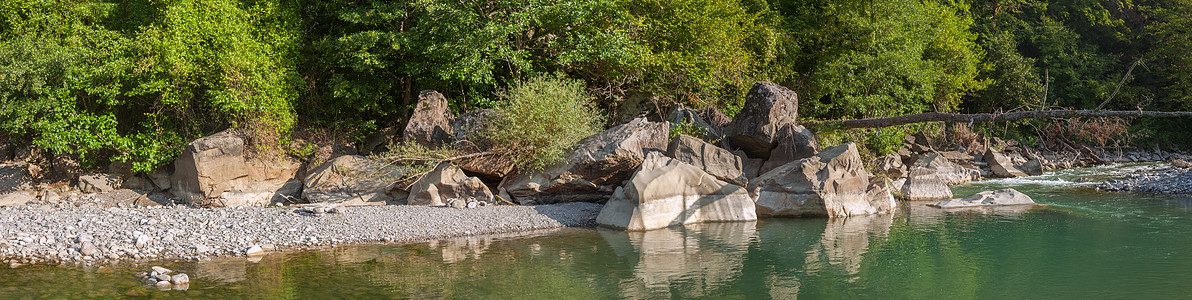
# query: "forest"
{"points": [[136, 80]]}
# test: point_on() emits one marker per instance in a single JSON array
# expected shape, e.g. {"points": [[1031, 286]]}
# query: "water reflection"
{"points": [[845, 242], [697, 257]]}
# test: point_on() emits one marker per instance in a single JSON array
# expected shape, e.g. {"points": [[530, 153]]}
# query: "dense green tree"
{"points": [[880, 58]]}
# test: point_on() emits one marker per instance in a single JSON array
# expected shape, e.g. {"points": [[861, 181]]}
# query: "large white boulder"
{"points": [[666, 192]]}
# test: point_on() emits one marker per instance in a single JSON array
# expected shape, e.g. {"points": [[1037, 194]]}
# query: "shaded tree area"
{"points": [[134, 80]]}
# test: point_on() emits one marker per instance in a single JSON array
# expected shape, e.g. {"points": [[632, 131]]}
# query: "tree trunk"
{"points": [[988, 118]]}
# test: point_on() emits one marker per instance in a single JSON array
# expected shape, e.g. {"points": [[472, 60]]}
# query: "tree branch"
{"points": [[989, 118]]}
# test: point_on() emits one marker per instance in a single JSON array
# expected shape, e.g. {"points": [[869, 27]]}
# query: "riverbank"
{"points": [[96, 235]]}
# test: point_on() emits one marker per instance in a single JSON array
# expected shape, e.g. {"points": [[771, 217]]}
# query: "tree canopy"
{"points": [[135, 80]]}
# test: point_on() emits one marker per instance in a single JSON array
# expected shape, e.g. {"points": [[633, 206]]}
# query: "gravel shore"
{"points": [[1157, 179], [93, 235]]}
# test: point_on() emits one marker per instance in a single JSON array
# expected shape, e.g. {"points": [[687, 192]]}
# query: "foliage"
{"points": [[79, 79], [881, 58], [540, 120]]}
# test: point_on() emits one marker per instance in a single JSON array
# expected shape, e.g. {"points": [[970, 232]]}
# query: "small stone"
{"points": [[472, 204], [162, 285], [161, 271], [151, 281], [89, 249], [163, 277], [180, 279], [142, 275], [254, 251], [142, 241]]}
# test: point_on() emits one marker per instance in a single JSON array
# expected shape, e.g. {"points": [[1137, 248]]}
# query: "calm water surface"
{"points": [[1086, 244]]}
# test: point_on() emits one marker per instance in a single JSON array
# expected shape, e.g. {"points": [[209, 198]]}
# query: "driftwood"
{"points": [[988, 118]]}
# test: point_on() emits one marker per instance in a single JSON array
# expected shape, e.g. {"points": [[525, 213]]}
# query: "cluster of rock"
{"points": [[922, 172], [766, 165], [160, 277], [1174, 178]]}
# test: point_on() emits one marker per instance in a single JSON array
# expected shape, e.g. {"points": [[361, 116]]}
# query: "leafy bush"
{"points": [[540, 120]]}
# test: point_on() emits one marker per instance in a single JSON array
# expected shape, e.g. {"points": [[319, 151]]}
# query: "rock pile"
{"points": [[160, 277]]}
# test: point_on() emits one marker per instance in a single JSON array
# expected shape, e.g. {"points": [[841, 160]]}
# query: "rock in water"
{"points": [[180, 279], [989, 198], [879, 195], [598, 163], [432, 123], [833, 183], [711, 159], [161, 270], [666, 192], [1001, 165], [768, 108]]}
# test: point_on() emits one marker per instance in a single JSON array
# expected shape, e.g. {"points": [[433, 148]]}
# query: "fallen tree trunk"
{"points": [[988, 118]]}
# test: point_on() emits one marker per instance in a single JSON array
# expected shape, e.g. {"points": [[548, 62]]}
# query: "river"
{"points": [[1083, 244]]}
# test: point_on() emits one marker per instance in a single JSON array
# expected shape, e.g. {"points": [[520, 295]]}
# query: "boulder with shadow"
{"points": [[217, 171], [590, 173], [833, 183], [431, 123]]}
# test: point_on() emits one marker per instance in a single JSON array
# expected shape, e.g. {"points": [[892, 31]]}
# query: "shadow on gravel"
{"points": [[577, 214]]}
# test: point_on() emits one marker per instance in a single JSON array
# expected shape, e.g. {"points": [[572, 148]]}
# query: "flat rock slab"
{"points": [[988, 198]]}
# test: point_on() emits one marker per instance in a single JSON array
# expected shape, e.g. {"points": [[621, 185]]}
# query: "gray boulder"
{"points": [[432, 123], [833, 183], [1001, 165], [448, 183], [925, 184], [215, 171], [879, 195], [891, 166], [945, 170], [353, 179], [711, 159], [591, 171], [768, 108], [666, 192], [989, 198], [792, 143]]}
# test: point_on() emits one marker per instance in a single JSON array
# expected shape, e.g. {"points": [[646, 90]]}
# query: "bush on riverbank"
{"points": [[540, 119]]}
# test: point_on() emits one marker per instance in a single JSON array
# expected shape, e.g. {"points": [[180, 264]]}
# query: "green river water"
{"points": [[1085, 244]]}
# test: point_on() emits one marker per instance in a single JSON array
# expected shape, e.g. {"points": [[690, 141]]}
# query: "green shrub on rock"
{"points": [[540, 120]]}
